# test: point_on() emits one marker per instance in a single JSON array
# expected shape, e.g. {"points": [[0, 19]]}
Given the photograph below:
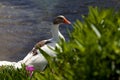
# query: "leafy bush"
{"points": [[9, 73], [92, 53]]}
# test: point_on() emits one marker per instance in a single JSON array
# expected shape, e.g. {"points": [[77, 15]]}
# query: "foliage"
{"points": [[92, 53], [9, 73]]}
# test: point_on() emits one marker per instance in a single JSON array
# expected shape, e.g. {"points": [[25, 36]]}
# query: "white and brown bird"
{"points": [[35, 58]]}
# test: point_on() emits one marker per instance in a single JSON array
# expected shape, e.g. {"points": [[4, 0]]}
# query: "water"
{"points": [[25, 22]]}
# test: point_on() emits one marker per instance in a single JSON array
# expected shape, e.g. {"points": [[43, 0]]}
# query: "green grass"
{"points": [[92, 53]]}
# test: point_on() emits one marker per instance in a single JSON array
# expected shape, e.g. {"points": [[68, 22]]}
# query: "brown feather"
{"points": [[38, 45]]}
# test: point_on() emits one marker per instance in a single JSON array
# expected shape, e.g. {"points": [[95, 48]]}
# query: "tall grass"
{"points": [[92, 53]]}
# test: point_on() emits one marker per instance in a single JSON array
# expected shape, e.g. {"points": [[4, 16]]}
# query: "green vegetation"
{"points": [[92, 53]]}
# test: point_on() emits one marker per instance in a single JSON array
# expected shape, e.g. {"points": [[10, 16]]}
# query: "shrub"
{"points": [[9, 73], [93, 51]]}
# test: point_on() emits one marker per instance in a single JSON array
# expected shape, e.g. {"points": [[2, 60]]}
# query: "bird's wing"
{"points": [[42, 43], [39, 45]]}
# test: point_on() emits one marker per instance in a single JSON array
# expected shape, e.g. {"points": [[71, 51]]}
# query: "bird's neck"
{"points": [[56, 33]]}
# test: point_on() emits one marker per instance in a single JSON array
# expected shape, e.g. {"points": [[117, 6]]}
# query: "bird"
{"points": [[35, 58]]}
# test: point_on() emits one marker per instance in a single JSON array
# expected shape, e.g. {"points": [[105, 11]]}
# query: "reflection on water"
{"points": [[25, 22]]}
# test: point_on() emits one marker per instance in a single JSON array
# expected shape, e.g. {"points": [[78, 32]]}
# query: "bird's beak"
{"points": [[66, 21]]}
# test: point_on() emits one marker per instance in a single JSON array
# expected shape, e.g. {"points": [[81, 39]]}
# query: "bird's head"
{"points": [[61, 19]]}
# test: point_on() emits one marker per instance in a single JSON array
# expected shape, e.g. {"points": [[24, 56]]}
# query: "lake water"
{"points": [[25, 22]]}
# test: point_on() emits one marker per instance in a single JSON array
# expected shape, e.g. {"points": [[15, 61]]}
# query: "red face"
{"points": [[66, 21]]}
